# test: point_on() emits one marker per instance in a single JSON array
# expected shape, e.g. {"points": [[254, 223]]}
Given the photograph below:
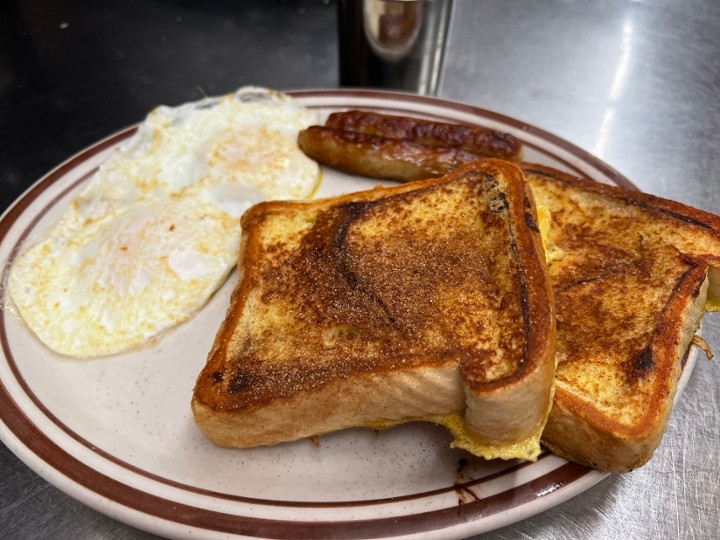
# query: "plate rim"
{"points": [[19, 430]]}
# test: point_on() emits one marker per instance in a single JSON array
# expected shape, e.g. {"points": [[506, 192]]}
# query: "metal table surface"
{"points": [[635, 83]]}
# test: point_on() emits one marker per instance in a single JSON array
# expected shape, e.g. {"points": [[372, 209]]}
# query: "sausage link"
{"points": [[379, 157], [479, 141]]}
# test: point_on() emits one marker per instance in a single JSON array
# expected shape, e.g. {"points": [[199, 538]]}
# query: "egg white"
{"points": [[156, 230]]}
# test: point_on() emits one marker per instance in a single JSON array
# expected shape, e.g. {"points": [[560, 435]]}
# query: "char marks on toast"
{"points": [[632, 274], [629, 289], [385, 306]]}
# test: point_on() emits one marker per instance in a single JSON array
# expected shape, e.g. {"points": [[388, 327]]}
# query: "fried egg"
{"points": [[156, 230]]}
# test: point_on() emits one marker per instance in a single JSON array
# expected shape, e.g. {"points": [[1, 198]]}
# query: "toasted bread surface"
{"points": [[410, 302], [630, 285], [631, 273]]}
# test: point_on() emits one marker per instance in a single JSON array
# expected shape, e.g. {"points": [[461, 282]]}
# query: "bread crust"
{"points": [[657, 205], [620, 355], [629, 292], [531, 382], [578, 431], [314, 388]]}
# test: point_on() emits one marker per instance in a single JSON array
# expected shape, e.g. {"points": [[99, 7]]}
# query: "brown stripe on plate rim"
{"points": [[18, 207], [16, 422], [52, 178], [609, 172], [212, 520], [42, 446]]}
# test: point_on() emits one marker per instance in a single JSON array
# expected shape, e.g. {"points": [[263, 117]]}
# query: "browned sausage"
{"points": [[379, 157], [480, 141]]}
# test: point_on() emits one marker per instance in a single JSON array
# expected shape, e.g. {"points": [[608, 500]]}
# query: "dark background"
{"points": [[74, 72], [637, 83]]}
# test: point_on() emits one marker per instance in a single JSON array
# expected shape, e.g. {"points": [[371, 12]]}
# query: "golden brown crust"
{"points": [[538, 312], [629, 291], [479, 141], [394, 397], [426, 278], [657, 205], [578, 431]]}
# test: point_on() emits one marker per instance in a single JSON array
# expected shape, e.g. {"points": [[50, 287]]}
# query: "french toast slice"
{"points": [[632, 274], [423, 301]]}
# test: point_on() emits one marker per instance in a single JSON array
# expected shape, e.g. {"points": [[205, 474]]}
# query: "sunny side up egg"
{"points": [[156, 230]]}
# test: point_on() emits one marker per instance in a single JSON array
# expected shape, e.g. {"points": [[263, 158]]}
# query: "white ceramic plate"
{"points": [[117, 433]]}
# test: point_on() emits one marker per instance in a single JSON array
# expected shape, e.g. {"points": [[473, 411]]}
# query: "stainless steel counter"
{"points": [[638, 85], [635, 83]]}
